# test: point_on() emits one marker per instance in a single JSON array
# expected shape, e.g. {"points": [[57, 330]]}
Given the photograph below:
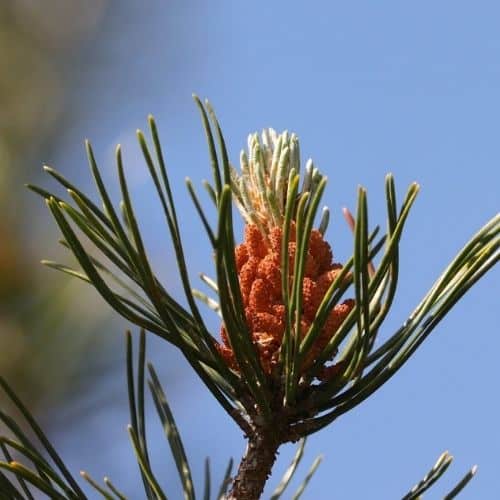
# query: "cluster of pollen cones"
{"points": [[258, 261]]}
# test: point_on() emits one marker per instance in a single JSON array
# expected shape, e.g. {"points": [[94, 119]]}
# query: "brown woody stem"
{"points": [[255, 466]]}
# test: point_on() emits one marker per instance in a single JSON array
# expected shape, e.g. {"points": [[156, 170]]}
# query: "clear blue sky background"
{"points": [[370, 87]]}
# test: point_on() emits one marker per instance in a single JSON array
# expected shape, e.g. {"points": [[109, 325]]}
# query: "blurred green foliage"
{"points": [[39, 43]]}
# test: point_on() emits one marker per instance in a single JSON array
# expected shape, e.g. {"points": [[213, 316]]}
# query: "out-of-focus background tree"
{"points": [[369, 87], [49, 341]]}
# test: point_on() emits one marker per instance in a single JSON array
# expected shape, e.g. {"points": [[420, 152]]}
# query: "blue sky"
{"points": [[411, 88]]}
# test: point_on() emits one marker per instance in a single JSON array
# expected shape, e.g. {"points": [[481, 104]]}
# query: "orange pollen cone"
{"points": [[258, 264]]}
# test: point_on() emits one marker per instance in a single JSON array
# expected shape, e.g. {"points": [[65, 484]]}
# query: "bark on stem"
{"points": [[255, 467]]}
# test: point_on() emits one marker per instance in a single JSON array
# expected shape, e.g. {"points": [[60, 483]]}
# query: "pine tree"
{"points": [[297, 346]]}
